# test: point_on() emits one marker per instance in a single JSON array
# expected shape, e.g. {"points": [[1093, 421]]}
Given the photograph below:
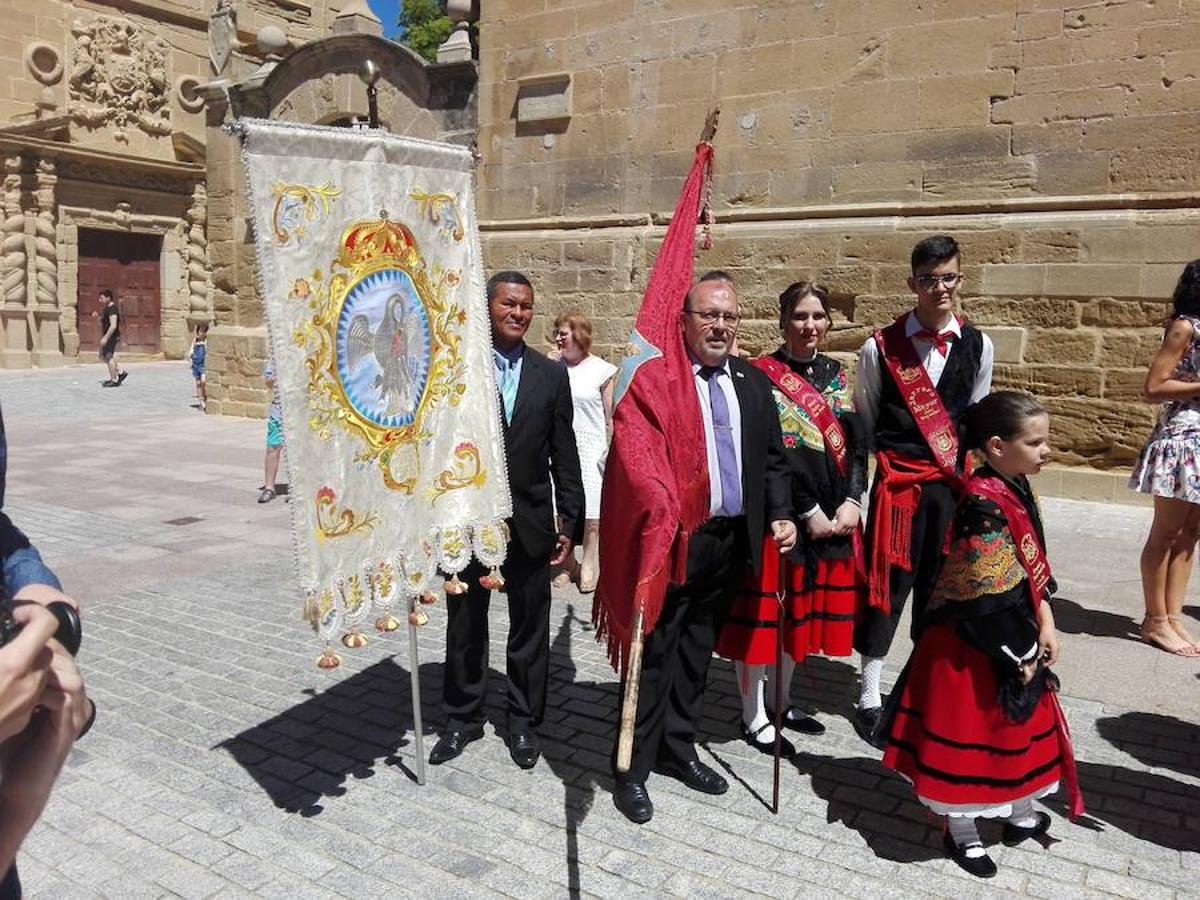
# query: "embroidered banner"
{"points": [[370, 275]]}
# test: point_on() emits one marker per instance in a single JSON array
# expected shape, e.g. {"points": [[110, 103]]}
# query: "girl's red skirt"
{"points": [[953, 742], [816, 621]]}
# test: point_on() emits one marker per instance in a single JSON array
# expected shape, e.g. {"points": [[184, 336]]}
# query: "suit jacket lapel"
{"points": [[748, 413]]}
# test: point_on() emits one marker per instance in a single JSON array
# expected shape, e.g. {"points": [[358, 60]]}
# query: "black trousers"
{"points": [[874, 631], [527, 582], [10, 886], [677, 652]]}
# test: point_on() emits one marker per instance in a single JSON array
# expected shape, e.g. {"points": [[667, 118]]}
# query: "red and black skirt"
{"points": [[951, 739], [818, 620]]}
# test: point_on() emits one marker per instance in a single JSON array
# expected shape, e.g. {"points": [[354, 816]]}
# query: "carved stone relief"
{"points": [[45, 244], [119, 77], [12, 241]]}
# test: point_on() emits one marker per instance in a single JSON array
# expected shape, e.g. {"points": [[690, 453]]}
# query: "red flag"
{"points": [[656, 479]]}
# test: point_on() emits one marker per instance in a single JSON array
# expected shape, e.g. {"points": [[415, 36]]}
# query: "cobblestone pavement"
{"points": [[223, 763]]}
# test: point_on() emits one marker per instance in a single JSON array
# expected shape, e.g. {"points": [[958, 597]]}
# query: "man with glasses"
{"points": [[748, 487], [915, 379]]}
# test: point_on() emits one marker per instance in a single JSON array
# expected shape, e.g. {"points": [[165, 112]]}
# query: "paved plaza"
{"points": [[225, 764]]}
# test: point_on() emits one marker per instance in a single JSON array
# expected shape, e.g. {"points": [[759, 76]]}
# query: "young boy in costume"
{"points": [[974, 722], [915, 379]]}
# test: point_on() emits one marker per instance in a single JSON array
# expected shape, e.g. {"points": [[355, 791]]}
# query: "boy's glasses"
{"points": [[949, 280]]}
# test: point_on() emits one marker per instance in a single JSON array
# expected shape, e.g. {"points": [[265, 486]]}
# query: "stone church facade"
{"points": [[1060, 141], [102, 136]]}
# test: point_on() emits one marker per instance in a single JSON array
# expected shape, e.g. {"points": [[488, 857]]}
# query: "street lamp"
{"points": [[369, 75]]}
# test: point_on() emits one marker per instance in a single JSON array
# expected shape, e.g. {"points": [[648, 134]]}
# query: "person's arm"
{"points": [[868, 385], [112, 327], [983, 378], [31, 760], [564, 469], [1160, 386]]}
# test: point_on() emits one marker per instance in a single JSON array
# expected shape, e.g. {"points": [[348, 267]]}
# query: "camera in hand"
{"points": [[69, 632]]}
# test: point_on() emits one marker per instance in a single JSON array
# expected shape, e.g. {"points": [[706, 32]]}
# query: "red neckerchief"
{"points": [[1032, 556]]}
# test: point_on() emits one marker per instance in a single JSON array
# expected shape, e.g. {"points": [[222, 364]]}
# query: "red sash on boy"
{"points": [[895, 503], [1032, 556], [809, 399]]}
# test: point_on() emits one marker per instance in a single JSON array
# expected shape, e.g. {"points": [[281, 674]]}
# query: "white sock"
{"points": [[1023, 815], [872, 671], [754, 712], [789, 668], [965, 835]]}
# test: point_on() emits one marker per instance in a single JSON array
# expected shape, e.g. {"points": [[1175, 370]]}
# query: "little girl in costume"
{"points": [[974, 722]]}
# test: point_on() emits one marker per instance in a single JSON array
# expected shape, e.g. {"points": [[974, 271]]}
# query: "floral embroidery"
{"points": [[798, 429], [979, 564]]}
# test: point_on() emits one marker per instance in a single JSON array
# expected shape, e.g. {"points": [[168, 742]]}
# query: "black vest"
{"points": [[895, 428]]}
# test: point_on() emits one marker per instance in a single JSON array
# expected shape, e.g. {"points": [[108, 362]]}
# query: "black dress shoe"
{"points": [[452, 743], [798, 720], [523, 748], [979, 866], [786, 748], [633, 800], [866, 723], [1014, 834], [696, 775]]}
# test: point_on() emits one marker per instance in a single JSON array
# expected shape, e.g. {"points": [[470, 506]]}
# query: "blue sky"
{"points": [[388, 12]]}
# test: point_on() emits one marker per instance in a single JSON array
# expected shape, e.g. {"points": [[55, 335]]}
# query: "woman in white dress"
{"points": [[591, 390]]}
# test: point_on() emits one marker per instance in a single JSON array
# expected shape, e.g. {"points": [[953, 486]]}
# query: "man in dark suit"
{"points": [[539, 441], [749, 487]]}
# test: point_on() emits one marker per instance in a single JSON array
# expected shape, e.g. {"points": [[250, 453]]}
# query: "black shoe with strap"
{"points": [[798, 720], [982, 866], [1014, 834], [786, 748], [866, 723]]}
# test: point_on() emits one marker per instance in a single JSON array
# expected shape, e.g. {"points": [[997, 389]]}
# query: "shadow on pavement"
{"points": [[582, 763], [306, 753], [1071, 618], [1156, 740], [876, 802], [1144, 805]]}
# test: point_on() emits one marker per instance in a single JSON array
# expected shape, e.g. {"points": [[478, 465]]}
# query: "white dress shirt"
{"points": [[868, 379], [725, 382]]}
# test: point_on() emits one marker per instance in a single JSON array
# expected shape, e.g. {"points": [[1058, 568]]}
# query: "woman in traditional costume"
{"points": [[974, 722], [1169, 468], [824, 573]]}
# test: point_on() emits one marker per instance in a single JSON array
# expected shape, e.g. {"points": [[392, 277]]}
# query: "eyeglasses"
{"points": [[709, 317], [949, 280]]}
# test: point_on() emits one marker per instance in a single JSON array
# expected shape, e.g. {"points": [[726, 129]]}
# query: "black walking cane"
{"points": [[780, 597]]}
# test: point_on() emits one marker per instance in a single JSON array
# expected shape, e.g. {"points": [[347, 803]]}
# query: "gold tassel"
{"points": [[354, 639], [428, 598], [493, 580], [418, 617], [454, 586], [387, 623], [329, 659]]}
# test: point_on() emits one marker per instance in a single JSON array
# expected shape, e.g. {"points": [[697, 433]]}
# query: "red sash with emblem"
{"points": [[1032, 556], [809, 399], [920, 396]]}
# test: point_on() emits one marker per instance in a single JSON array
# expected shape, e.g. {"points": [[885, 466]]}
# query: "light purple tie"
{"points": [[731, 484]]}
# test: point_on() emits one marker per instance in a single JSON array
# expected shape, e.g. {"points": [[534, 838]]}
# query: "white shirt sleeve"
{"points": [[868, 386], [983, 380]]}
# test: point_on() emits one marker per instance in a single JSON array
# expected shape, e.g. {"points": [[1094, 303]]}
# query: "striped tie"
{"points": [[508, 388]]}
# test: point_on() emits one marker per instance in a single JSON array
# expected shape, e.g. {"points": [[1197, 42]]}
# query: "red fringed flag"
{"points": [[656, 478]]}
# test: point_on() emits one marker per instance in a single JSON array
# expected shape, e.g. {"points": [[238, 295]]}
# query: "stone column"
{"points": [[46, 351], [14, 351], [199, 301]]}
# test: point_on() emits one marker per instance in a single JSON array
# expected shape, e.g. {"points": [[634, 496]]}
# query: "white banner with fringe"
{"points": [[370, 274]]}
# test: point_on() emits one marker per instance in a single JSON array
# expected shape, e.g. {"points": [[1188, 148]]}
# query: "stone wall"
{"points": [[1056, 139]]}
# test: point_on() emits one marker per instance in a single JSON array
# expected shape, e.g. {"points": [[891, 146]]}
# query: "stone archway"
{"points": [[316, 84]]}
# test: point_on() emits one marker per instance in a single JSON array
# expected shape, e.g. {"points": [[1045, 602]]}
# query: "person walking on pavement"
{"points": [[110, 336]]}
